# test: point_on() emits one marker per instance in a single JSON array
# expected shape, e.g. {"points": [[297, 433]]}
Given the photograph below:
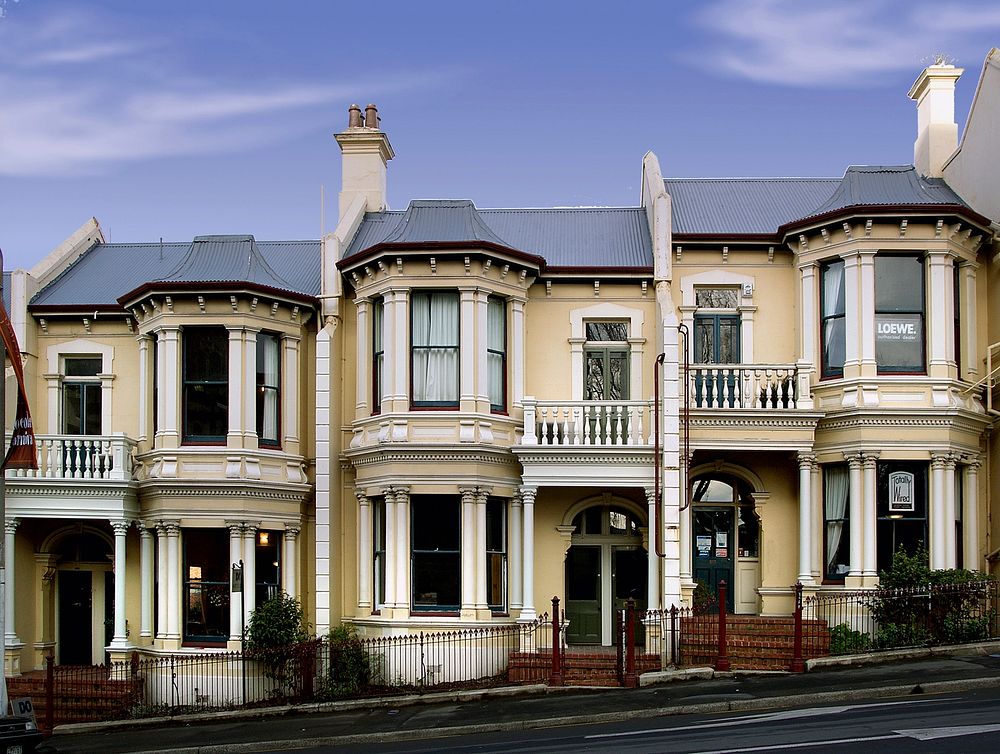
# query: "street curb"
{"points": [[741, 705]]}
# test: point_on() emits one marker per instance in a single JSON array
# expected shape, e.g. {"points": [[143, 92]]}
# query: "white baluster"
{"points": [[637, 434], [567, 427], [588, 428], [578, 422], [543, 415]]}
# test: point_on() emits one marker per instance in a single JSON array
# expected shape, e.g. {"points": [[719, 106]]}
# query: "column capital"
{"points": [[528, 493], [869, 458], [120, 525], [806, 460], [650, 495], [292, 531], [10, 524], [361, 496], [854, 458], [482, 494], [515, 498], [145, 528], [973, 463], [468, 494], [235, 528], [941, 460]]}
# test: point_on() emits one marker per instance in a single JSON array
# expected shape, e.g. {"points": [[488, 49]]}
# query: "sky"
{"points": [[175, 119]]}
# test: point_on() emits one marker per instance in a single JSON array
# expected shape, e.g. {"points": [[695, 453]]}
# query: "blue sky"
{"points": [[171, 119]]}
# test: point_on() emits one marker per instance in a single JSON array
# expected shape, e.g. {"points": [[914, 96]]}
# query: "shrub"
{"points": [[704, 599], [844, 640], [275, 627], [350, 669]]}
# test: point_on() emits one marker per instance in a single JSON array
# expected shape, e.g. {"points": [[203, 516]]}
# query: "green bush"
{"points": [[704, 599], [844, 640], [350, 670], [275, 627]]}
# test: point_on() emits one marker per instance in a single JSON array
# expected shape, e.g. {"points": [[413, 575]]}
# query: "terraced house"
{"points": [[444, 415]]}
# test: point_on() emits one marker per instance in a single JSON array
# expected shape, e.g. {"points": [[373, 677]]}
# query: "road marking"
{"points": [[802, 745], [770, 717], [929, 734]]}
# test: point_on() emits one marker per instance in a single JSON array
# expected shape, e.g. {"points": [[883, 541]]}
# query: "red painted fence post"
{"points": [[722, 661], [797, 665], [631, 680], [556, 678]]}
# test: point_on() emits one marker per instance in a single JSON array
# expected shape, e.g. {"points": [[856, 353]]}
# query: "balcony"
{"points": [[73, 457], [772, 387], [587, 423]]}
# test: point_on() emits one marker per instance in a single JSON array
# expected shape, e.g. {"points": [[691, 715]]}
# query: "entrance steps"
{"points": [[582, 666], [81, 694], [752, 642]]}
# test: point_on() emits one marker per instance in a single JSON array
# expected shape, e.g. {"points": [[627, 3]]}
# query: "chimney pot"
{"points": [[354, 117], [371, 116]]}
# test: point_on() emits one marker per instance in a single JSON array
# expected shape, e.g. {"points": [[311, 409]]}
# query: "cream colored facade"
{"points": [[461, 427]]}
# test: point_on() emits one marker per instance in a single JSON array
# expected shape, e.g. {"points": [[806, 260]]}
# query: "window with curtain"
{"points": [[899, 313], [436, 531], [833, 329], [205, 383], [434, 327], [496, 555], [268, 388], [496, 352], [836, 518], [378, 352]]}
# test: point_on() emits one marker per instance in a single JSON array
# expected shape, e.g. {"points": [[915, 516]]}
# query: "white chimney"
{"points": [[366, 152], [937, 132]]}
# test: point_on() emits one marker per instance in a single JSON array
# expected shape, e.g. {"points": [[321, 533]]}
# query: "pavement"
{"points": [[700, 690]]}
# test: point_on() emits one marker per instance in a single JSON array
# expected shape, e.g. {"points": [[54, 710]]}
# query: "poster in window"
{"points": [[901, 492], [704, 544]]}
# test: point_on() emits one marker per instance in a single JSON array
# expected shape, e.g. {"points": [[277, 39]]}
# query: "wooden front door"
{"points": [[75, 617]]}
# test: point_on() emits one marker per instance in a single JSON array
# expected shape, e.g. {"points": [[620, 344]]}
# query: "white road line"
{"points": [[929, 734], [802, 745]]}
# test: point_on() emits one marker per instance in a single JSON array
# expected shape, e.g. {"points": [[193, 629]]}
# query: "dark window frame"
{"points": [[496, 507], [457, 348], [85, 382], [921, 312], [434, 505], [263, 388], [188, 384], [215, 590], [498, 408], [378, 353], [830, 577], [827, 371]]}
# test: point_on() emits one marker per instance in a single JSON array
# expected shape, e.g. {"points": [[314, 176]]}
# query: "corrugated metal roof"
{"points": [[108, 271], [721, 206], [564, 237], [867, 185]]}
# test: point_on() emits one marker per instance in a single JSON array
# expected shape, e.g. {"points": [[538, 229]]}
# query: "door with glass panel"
{"points": [[716, 341], [81, 415], [606, 379]]}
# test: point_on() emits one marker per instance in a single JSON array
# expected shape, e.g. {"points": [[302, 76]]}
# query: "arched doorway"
{"points": [[606, 565], [726, 539], [84, 599]]}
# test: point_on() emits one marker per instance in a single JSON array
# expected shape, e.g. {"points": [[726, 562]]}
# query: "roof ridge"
{"points": [[757, 178]]}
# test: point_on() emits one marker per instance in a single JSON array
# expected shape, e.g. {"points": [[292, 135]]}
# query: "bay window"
{"points": [[205, 381], [836, 523], [434, 327], [378, 553], [496, 352], [833, 331], [496, 555], [899, 313], [206, 585], [378, 353], [268, 388], [901, 508], [436, 526]]}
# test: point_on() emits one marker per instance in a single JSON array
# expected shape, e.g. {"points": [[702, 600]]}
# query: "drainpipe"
{"points": [[657, 459], [685, 417]]}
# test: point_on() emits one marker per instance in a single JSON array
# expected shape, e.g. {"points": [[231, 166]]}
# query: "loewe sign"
{"points": [[896, 329]]}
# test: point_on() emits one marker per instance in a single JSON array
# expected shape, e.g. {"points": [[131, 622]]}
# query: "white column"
{"points": [[290, 393], [684, 524], [235, 598], [939, 314], [173, 579], [168, 394], [852, 313], [144, 389], [290, 580], [517, 349], [806, 461], [145, 580], [468, 348], [393, 351], [468, 549], [403, 548], [10, 631], [326, 457], [938, 508], [401, 353], [653, 588], [482, 340], [364, 357], [482, 494], [866, 258], [161, 580], [516, 559], [250, 389], [970, 514], [249, 569], [120, 639], [389, 496], [818, 526], [857, 515], [528, 500], [365, 552], [809, 317], [950, 533], [966, 350], [234, 437], [870, 465]]}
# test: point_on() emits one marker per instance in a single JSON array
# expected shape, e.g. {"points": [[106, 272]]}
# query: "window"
{"points": [[899, 313], [606, 362], [378, 353], [267, 566], [836, 522], [437, 555], [206, 585], [434, 338], [959, 527], [901, 509], [205, 384], [81, 390], [268, 388], [496, 352], [833, 330], [378, 552], [496, 555], [957, 317]]}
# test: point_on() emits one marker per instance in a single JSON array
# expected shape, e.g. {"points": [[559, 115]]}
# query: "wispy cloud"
{"points": [[798, 43]]}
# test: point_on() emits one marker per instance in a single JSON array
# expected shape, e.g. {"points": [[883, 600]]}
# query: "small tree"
{"points": [[350, 670], [275, 627]]}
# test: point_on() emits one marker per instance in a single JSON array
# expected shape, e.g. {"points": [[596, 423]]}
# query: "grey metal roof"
{"points": [[873, 185], [108, 271], [563, 236], [721, 206]]}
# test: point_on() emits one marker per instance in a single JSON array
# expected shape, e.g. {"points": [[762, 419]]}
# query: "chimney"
{"points": [[937, 132], [366, 152]]}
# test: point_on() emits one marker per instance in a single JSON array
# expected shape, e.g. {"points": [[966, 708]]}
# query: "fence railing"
{"points": [[107, 457], [554, 423], [744, 386]]}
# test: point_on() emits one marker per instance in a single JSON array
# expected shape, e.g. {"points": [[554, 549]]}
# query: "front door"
{"points": [[629, 576], [75, 618], [583, 594], [713, 549]]}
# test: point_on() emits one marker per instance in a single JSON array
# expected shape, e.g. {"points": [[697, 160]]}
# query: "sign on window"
{"points": [[901, 492]]}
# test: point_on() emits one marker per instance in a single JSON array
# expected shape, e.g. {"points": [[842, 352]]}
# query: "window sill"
{"points": [[435, 613], [199, 644]]}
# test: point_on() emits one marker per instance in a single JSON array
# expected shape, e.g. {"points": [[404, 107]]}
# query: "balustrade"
{"points": [[107, 457]]}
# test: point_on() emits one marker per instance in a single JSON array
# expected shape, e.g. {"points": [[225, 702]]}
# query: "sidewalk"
{"points": [[513, 708]]}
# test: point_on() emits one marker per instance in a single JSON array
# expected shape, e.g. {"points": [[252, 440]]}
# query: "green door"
{"points": [[716, 341], [583, 594], [713, 544], [629, 576]]}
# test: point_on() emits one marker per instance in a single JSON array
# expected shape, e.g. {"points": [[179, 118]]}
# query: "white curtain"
{"points": [[833, 289], [378, 351], [435, 347], [835, 493], [270, 369], [496, 349]]}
